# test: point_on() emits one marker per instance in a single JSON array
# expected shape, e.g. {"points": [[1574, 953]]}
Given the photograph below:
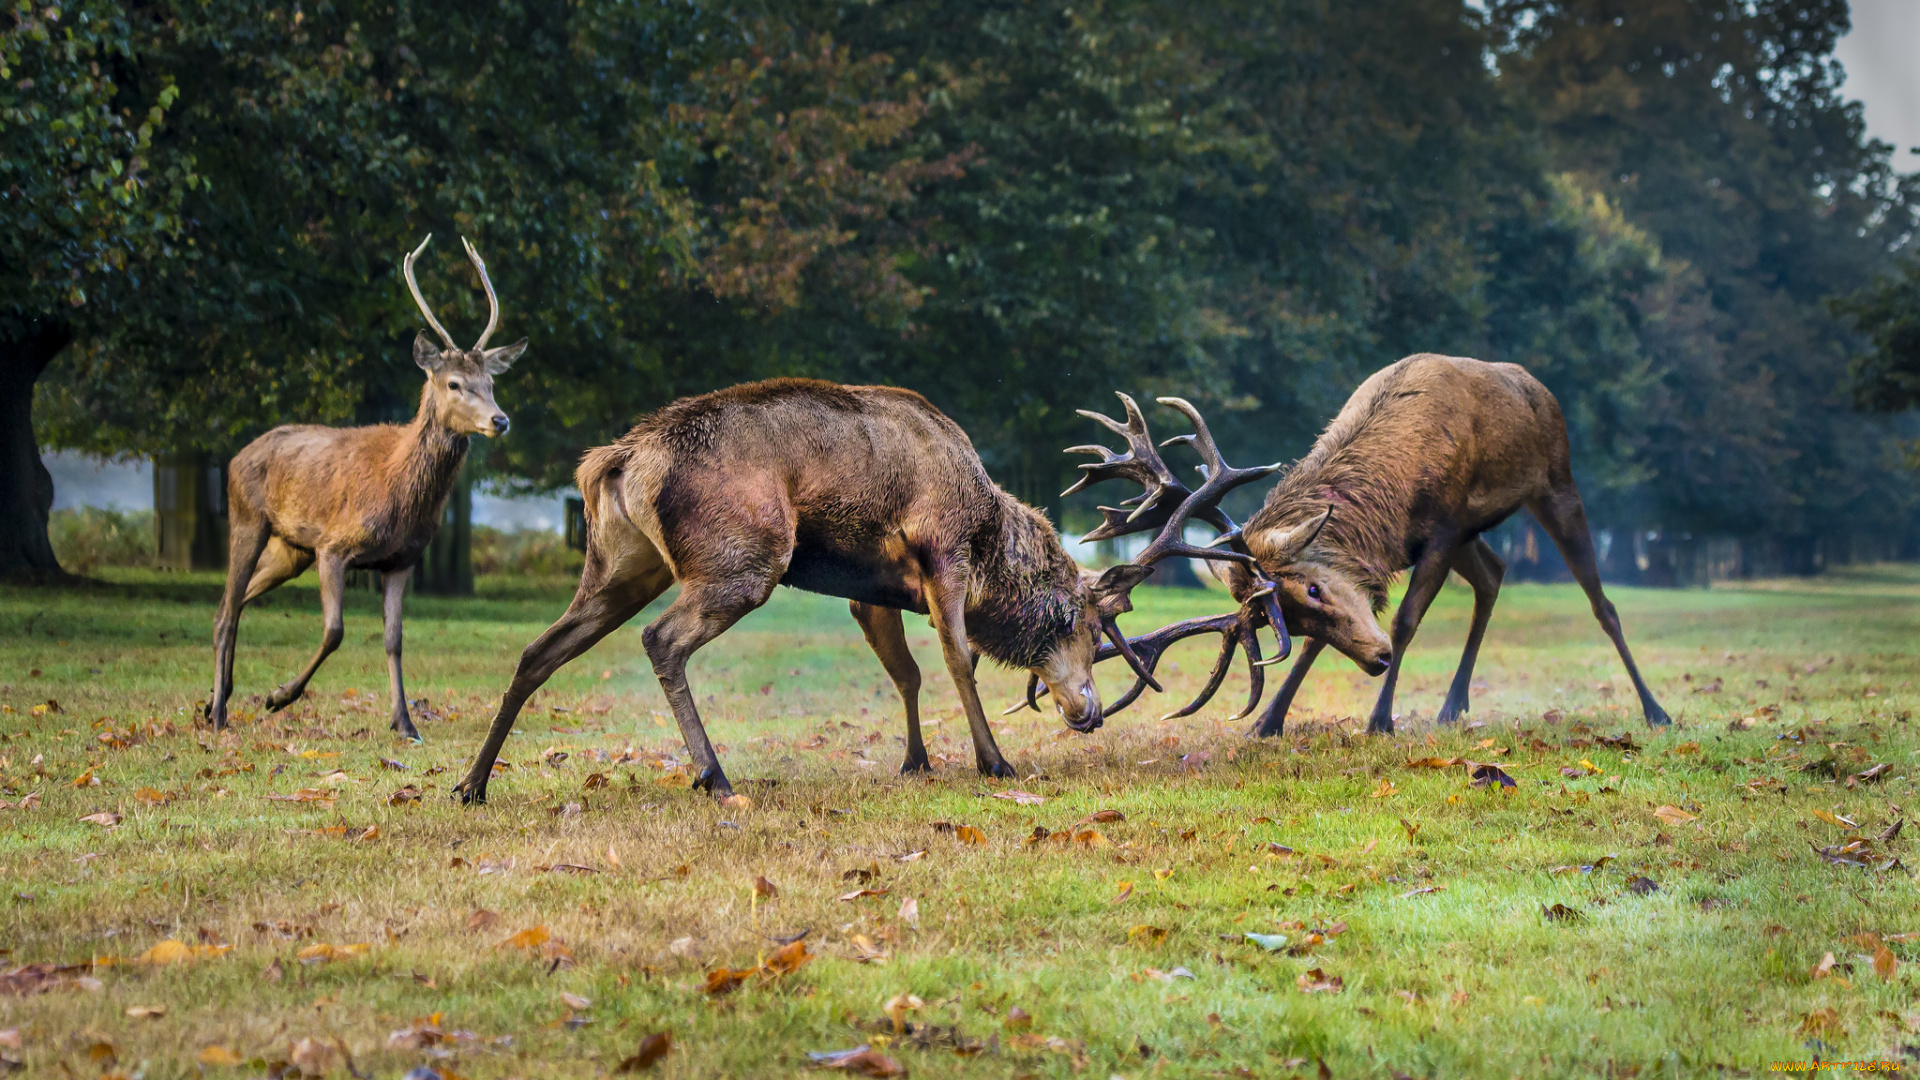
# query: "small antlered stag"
{"points": [[862, 492], [360, 498], [1426, 456]]}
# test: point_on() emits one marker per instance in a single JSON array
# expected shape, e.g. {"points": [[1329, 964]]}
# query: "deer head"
{"points": [[460, 381], [1320, 599]]}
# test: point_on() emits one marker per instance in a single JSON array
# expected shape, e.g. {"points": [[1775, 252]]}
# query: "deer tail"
{"points": [[600, 467]]}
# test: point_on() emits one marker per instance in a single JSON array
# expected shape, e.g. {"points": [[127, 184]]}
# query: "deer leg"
{"points": [[701, 613], [887, 635], [1429, 573], [245, 543], [1275, 720], [1563, 517], [946, 600], [1484, 571], [393, 586], [601, 604], [333, 584]]}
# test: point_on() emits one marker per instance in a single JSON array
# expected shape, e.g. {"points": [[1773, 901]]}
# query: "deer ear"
{"points": [[1289, 545], [1111, 590], [426, 353], [502, 358]]}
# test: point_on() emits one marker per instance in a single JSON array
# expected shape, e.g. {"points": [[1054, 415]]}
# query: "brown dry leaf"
{"points": [[652, 1049], [313, 1057], [1018, 1019], [404, 796], [173, 952], [146, 1012], [575, 1002], [1126, 890], [1147, 935], [101, 1050], [1412, 829], [869, 952], [1436, 763], [531, 938], [1685, 748], [1316, 981], [727, 980], [897, 1008], [321, 952], [764, 889], [1091, 838], [967, 834], [220, 1055], [737, 802], [86, 779], [305, 794], [1481, 774], [482, 919], [595, 780], [1102, 817], [106, 819], [1673, 815], [860, 893], [788, 959], [861, 1061], [910, 911], [152, 796], [1825, 967], [1885, 964], [1020, 798], [1385, 789], [1820, 1021]]}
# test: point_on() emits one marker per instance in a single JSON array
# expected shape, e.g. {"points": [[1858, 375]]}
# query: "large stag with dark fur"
{"points": [[862, 492], [1425, 457], [356, 498]]}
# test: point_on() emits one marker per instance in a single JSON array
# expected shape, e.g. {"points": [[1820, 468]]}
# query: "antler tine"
{"points": [[493, 302], [413, 286], [1140, 463], [1203, 503]]}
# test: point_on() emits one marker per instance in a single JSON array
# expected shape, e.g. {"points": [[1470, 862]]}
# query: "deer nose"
{"points": [[500, 423]]}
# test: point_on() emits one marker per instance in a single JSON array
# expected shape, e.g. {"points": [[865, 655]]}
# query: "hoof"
{"points": [[280, 699], [1450, 714], [403, 727], [714, 782], [1380, 727], [469, 793], [916, 767], [1269, 730], [1657, 717], [997, 768]]}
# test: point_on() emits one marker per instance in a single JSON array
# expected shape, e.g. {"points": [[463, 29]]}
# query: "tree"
{"points": [[1887, 377], [89, 203]]}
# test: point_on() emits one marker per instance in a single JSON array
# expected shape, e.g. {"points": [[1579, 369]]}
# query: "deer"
{"points": [[357, 498], [1425, 457], [867, 493]]}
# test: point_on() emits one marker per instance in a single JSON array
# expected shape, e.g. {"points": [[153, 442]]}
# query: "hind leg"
{"points": [[613, 589], [888, 636], [1484, 571], [247, 540], [1275, 720], [703, 611], [1563, 517], [333, 585]]}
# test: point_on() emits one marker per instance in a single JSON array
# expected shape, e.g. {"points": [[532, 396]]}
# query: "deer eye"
{"points": [[1313, 592], [454, 386]]}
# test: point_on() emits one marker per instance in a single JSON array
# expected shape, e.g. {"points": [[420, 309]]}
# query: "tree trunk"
{"points": [[26, 489]]}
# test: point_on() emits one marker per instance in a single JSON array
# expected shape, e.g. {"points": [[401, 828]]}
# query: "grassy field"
{"points": [[1654, 906]]}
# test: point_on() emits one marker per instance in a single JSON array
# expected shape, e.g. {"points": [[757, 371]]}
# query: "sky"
{"points": [[1882, 59]]}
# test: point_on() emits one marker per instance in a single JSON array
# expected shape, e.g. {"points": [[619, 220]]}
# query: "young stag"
{"points": [[362, 498], [862, 492], [1425, 457]]}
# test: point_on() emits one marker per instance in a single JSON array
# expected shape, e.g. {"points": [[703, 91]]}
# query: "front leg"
{"points": [[393, 587], [946, 600], [887, 635], [1429, 573], [1275, 720]]}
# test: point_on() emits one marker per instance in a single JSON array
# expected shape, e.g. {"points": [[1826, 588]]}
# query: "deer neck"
{"points": [[1022, 598], [430, 458]]}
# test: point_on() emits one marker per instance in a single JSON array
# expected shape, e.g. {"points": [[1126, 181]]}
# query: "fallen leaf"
{"points": [[1423, 890], [105, 819], [1316, 981], [737, 802], [1384, 789], [897, 1008], [860, 893], [1483, 775], [1885, 964], [1020, 798], [967, 834], [220, 1055], [312, 1056], [1412, 829], [1269, 942], [788, 959], [531, 938], [764, 889], [1148, 935], [1821, 1021], [321, 952], [910, 911], [1126, 890], [304, 795], [1561, 913], [482, 919], [1018, 1019], [404, 796], [1824, 815], [146, 1012], [1824, 968], [652, 1049], [1673, 815], [1091, 838], [861, 1061], [1436, 763], [726, 980], [575, 1002], [152, 796], [1642, 885]]}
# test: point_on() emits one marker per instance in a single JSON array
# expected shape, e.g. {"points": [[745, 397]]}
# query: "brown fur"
{"points": [[863, 492], [1428, 454], [351, 498]]}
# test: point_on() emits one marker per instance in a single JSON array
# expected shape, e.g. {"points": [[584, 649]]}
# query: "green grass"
{"points": [[1712, 973]]}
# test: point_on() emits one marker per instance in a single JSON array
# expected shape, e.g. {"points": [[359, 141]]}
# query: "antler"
{"points": [[414, 287], [493, 302], [1168, 505]]}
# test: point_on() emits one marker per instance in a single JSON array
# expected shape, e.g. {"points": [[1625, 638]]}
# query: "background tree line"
{"points": [[1664, 208]]}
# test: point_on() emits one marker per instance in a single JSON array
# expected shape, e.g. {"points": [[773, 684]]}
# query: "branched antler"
{"points": [[493, 301], [1168, 506]]}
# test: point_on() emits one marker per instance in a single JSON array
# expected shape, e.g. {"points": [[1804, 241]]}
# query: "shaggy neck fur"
{"points": [[1024, 596], [1365, 540], [430, 456]]}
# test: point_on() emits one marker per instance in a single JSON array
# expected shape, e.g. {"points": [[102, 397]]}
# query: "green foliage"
{"points": [[1887, 378], [91, 537], [523, 552]]}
